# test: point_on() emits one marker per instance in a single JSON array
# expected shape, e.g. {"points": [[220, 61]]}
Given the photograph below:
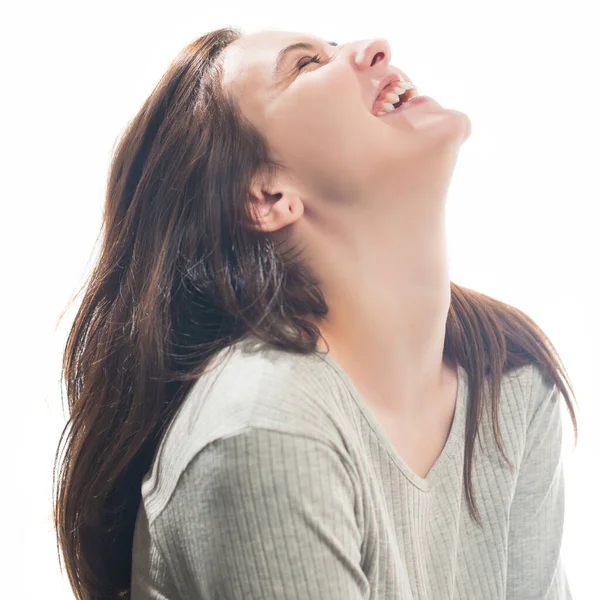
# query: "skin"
{"points": [[365, 198]]}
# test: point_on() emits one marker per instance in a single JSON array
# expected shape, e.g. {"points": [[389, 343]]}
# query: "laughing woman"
{"points": [[275, 390]]}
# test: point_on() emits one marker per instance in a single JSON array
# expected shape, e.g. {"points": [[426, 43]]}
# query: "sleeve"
{"points": [[265, 515], [534, 569]]}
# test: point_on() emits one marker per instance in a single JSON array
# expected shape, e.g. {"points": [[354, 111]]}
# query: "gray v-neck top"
{"points": [[276, 480]]}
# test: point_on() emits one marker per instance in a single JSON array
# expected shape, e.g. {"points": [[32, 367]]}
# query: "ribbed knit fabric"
{"points": [[275, 480]]}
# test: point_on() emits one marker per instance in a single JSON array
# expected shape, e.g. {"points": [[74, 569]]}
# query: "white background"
{"points": [[522, 208]]}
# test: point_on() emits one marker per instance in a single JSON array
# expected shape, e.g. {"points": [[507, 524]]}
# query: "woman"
{"points": [[275, 389]]}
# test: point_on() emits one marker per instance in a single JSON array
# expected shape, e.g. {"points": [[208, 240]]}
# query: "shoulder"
{"points": [[525, 388], [260, 386], [544, 417], [531, 405], [527, 396], [533, 390], [248, 390]]}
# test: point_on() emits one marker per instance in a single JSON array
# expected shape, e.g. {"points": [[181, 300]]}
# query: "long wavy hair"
{"points": [[181, 276]]}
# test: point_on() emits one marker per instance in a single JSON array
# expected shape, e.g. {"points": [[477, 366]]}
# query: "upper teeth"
{"points": [[392, 97]]}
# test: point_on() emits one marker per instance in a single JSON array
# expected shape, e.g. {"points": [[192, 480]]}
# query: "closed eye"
{"points": [[316, 59]]}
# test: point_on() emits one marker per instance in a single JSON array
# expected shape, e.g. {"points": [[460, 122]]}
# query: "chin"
{"points": [[451, 127]]}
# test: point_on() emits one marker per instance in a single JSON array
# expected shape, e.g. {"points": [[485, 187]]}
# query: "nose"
{"points": [[372, 52]]}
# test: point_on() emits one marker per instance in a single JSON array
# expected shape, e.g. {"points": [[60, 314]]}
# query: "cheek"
{"points": [[330, 138], [333, 156], [325, 126], [316, 103]]}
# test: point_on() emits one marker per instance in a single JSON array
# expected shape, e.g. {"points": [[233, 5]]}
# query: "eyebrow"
{"points": [[291, 48]]}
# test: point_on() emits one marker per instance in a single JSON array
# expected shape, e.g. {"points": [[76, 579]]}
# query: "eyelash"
{"points": [[316, 59]]}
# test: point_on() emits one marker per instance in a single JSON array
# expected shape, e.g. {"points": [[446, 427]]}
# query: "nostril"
{"points": [[377, 58]]}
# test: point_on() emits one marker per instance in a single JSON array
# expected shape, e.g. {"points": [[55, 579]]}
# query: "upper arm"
{"points": [[265, 515], [534, 569]]}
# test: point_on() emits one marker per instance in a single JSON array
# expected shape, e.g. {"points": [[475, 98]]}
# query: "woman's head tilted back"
{"points": [[361, 192], [224, 154]]}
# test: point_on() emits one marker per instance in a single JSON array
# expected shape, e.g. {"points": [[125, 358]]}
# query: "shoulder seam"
{"points": [[255, 428], [154, 539]]}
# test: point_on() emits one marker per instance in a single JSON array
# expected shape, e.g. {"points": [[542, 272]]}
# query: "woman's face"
{"points": [[317, 116]]}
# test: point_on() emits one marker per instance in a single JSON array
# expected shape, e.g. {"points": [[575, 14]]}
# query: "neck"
{"points": [[388, 292]]}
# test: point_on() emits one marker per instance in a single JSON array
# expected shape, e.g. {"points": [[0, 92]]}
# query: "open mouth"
{"points": [[408, 95], [394, 96]]}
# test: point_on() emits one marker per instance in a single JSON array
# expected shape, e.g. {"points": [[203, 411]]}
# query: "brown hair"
{"points": [[179, 277]]}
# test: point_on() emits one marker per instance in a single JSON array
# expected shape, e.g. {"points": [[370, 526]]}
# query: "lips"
{"points": [[383, 84]]}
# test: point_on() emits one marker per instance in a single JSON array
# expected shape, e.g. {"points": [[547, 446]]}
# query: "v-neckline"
{"points": [[455, 434]]}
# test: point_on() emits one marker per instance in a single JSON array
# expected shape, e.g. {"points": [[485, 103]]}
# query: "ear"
{"points": [[275, 210]]}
